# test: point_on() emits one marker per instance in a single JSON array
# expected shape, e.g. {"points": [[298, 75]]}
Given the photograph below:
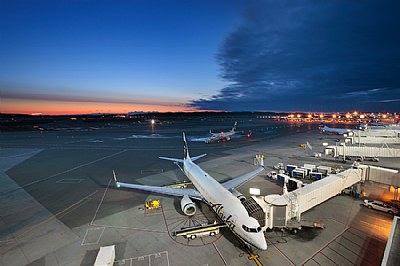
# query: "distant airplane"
{"points": [[339, 131], [223, 198], [333, 130], [223, 136]]}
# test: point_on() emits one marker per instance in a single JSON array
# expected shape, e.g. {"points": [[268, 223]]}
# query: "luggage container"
{"points": [[294, 184], [312, 167], [282, 178], [299, 173], [325, 170], [315, 175], [290, 168], [305, 170]]}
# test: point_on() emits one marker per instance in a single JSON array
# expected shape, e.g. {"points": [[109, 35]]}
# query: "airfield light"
{"points": [[321, 116], [347, 115], [384, 116], [153, 121], [355, 113], [309, 115], [334, 115], [362, 116], [299, 115]]}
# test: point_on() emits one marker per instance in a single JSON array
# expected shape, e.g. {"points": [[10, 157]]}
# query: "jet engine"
{"points": [[188, 206], [238, 195], [227, 138]]}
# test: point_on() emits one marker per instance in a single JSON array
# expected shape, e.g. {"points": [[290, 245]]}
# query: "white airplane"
{"points": [[223, 136], [223, 198], [332, 130]]}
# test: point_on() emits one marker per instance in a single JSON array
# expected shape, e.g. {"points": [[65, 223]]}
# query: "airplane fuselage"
{"points": [[226, 206], [221, 136], [338, 131]]}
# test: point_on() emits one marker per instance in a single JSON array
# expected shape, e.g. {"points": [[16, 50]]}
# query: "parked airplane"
{"points": [[222, 198], [223, 136], [332, 130]]}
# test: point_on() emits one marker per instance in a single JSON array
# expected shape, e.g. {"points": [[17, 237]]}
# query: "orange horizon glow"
{"points": [[35, 107]]}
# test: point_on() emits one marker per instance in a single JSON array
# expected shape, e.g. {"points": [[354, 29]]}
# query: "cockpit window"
{"points": [[251, 230]]}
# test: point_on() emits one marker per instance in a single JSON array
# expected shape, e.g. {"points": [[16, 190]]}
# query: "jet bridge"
{"points": [[284, 211], [362, 151]]}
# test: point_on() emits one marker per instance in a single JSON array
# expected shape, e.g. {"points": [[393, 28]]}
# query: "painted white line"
{"points": [[55, 216], [98, 239], [101, 201], [142, 258], [327, 244], [128, 228], [74, 206], [72, 169], [70, 181], [219, 253], [152, 171]]}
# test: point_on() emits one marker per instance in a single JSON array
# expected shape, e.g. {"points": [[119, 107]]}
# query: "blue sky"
{"points": [[199, 55]]}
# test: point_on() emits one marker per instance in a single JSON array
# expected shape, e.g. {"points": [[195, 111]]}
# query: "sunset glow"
{"points": [[61, 107]]}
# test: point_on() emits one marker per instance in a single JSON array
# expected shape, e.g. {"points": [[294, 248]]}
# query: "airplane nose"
{"points": [[262, 243], [263, 246]]}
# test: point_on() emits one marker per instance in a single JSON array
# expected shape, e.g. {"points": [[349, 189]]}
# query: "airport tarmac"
{"points": [[59, 203]]}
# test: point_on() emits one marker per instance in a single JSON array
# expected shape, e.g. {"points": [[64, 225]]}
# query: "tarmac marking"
{"points": [[128, 228], [357, 254], [131, 261], [75, 205], [326, 245], [316, 261], [70, 181], [219, 253], [116, 227], [340, 254], [326, 257], [284, 255], [66, 171], [55, 216], [101, 201], [149, 171], [89, 235], [21, 154]]}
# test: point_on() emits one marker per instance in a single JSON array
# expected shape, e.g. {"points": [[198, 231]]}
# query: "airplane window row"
{"points": [[251, 230]]}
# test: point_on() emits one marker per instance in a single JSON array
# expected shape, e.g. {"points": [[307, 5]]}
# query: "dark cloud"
{"points": [[311, 56]]}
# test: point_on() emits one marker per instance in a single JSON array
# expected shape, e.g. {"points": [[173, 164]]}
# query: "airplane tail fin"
{"points": [[185, 148], [185, 152], [186, 155], [234, 127]]}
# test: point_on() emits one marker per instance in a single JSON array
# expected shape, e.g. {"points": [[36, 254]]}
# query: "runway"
{"points": [[59, 203]]}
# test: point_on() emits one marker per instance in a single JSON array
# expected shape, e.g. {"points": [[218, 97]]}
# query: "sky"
{"points": [[94, 56]]}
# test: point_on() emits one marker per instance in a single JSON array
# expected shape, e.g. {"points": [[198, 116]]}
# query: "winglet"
{"points": [[115, 179]]}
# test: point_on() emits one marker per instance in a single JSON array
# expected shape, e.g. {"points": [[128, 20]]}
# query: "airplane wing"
{"points": [[212, 138], [238, 181], [180, 192]]}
